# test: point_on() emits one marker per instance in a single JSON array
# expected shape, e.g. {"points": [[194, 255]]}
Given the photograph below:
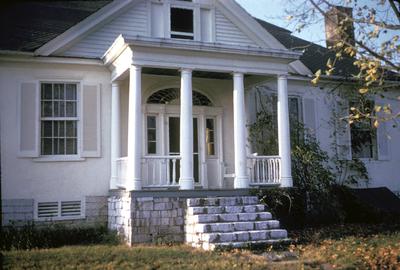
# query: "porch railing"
{"points": [[264, 170], [157, 171]]}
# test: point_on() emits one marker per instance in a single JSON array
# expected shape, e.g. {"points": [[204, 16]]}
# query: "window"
{"points": [[363, 135], [266, 126], [59, 119], [182, 23], [210, 136], [59, 210], [151, 135]]}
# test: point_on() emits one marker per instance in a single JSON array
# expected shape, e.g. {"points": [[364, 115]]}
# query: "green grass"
{"points": [[123, 257], [359, 250]]}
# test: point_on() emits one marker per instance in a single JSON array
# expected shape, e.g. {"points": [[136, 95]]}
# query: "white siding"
{"points": [[130, 24], [227, 32]]}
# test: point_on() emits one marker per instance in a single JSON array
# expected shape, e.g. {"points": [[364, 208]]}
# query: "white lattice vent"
{"points": [[71, 208], [59, 210], [47, 209]]}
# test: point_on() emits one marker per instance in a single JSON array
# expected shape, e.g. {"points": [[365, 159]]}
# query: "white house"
{"points": [[129, 111]]}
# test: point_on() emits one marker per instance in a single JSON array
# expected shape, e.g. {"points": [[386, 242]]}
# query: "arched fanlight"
{"points": [[171, 96]]}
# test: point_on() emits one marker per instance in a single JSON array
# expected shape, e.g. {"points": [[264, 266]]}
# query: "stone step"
{"points": [[214, 218], [198, 210], [242, 236], [223, 201], [246, 244], [232, 226]]}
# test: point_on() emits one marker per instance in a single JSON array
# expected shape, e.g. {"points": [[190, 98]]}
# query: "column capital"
{"points": [[115, 84], [186, 70], [136, 68], [283, 76], [238, 74]]}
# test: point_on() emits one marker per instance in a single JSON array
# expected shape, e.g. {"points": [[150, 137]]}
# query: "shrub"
{"points": [[29, 236]]}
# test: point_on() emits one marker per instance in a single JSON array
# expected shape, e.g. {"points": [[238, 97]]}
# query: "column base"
{"points": [[287, 181], [134, 185], [186, 184], [241, 182]]}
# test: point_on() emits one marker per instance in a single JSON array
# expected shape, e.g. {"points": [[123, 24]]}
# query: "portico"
{"points": [[127, 59]]}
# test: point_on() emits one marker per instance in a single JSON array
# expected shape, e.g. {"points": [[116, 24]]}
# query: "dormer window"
{"points": [[182, 23]]}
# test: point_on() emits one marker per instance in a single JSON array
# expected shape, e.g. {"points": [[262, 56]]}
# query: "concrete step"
{"points": [[233, 217], [245, 244], [198, 210], [242, 236], [232, 226], [223, 201]]}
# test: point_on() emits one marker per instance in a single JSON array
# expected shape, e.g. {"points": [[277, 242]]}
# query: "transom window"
{"points": [[182, 23], [172, 96], [59, 119]]}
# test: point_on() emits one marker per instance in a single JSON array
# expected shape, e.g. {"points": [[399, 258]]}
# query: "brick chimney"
{"points": [[337, 28]]}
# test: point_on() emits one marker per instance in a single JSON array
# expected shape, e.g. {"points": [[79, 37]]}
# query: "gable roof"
{"points": [[27, 26]]}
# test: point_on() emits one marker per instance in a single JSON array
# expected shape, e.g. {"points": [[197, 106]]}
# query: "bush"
{"points": [[30, 236]]}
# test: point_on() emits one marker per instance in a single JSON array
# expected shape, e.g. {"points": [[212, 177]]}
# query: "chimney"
{"points": [[338, 25]]}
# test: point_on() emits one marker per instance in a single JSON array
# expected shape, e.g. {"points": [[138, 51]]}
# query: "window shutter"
{"points": [[343, 137], [309, 114], [382, 139], [28, 104], [91, 139]]}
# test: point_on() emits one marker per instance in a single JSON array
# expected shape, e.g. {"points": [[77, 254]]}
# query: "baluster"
{"points": [[270, 170], [276, 170], [173, 171]]}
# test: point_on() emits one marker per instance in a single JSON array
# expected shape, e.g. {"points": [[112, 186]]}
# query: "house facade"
{"points": [[132, 111]]}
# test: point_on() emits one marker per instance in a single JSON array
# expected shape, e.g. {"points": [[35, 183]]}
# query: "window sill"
{"points": [[58, 159]]}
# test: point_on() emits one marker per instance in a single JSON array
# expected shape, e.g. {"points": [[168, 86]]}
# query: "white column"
{"points": [[186, 180], [284, 133], [115, 133], [134, 130], [239, 130]]}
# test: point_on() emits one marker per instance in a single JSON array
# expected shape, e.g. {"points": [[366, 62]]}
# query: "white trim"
{"points": [[58, 158], [79, 30], [29, 58]]}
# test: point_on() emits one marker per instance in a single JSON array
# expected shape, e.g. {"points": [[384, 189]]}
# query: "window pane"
{"points": [[47, 109], [58, 90], [47, 91], [62, 108], [47, 147], [47, 129], [151, 147], [59, 146], [71, 109], [61, 125], [56, 106], [210, 149], [151, 135], [151, 122], [182, 20], [71, 147], [71, 92], [71, 128], [56, 129]]}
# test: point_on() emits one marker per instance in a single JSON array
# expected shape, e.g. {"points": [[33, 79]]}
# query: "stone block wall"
{"points": [[147, 219], [158, 219], [17, 212]]}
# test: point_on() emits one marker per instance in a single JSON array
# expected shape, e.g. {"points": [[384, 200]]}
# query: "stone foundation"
{"points": [[147, 219]]}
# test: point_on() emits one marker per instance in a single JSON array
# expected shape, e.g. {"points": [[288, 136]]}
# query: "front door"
{"points": [[174, 145]]}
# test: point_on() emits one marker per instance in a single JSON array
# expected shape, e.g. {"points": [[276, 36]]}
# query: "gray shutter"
{"points": [[90, 124], [343, 137], [28, 108], [309, 114], [382, 139]]}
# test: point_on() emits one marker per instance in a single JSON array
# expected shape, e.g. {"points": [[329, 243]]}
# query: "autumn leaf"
{"points": [[376, 123], [363, 90]]}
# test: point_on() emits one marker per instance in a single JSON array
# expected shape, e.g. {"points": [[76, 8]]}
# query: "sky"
{"points": [[273, 11]]}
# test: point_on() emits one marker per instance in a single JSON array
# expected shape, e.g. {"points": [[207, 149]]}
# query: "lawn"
{"points": [[318, 248]]}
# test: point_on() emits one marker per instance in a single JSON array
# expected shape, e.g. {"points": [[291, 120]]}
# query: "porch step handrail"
{"points": [[264, 170]]}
